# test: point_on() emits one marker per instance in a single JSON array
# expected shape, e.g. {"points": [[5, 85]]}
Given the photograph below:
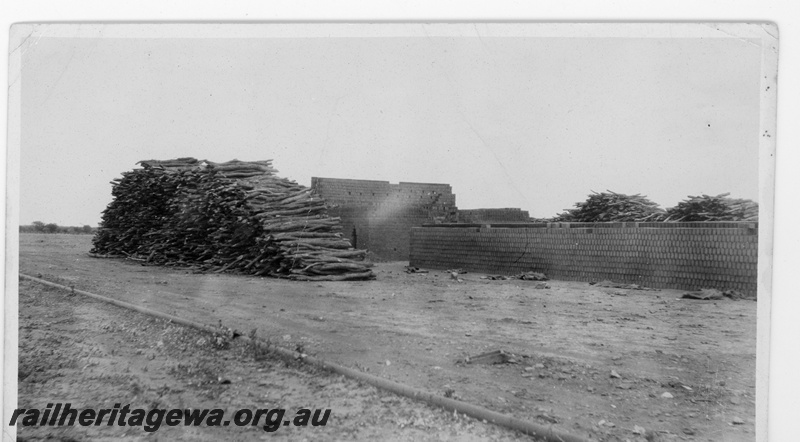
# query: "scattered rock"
{"points": [[638, 430], [737, 421], [704, 295], [615, 375], [548, 418], [491, 358], [667, 395], [531, 276]]}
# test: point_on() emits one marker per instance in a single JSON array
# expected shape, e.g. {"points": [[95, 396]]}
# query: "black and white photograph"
{"points": [[405, 231]]}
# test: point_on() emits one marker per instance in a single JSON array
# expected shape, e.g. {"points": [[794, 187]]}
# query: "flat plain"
{"points": [[602, 363]]}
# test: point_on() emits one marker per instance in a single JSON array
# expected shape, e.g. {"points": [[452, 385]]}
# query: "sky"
{"points": [[536, 123]]}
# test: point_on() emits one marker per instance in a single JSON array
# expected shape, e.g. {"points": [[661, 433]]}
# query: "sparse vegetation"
{"points": [[40, 227]]}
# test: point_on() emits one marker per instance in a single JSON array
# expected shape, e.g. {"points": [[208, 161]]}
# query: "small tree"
{"points": [[51, 228], [87, 229], [38, 226]]}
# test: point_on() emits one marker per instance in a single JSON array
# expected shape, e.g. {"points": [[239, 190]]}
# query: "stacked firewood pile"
{"points": [[612, 207], [225, 217], [713, 208], [617, 207]]}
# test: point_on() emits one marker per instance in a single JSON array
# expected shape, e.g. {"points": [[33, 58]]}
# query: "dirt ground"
{"points": [[93, 355], [602, 363]]}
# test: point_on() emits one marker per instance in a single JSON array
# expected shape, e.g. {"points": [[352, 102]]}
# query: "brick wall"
{"points": [[662, 255], [382, 213]]}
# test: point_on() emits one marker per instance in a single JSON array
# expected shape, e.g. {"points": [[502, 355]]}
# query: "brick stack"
{"points": [[381, 213], [722, 255]]}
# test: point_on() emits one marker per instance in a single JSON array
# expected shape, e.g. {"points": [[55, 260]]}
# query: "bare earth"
{"points": [[594, 362]]}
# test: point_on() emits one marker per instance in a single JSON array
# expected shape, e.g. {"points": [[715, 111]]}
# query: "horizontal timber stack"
{"points": [[490, 216], [688, 256], [225, 217]]}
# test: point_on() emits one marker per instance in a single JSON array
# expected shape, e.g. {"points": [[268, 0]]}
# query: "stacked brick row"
{"points": [[375, 193], [685, 256]]}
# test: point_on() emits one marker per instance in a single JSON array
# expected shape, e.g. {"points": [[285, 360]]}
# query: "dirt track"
{"points": [[413, 328]]}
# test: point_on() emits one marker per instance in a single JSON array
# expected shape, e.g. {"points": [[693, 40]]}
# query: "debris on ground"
{"points": [[410, 269], [531, 276], [548, 418], [491, 358], [527, 276], [456, 271], [617, 285], [713, 295], [704, 295]]}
